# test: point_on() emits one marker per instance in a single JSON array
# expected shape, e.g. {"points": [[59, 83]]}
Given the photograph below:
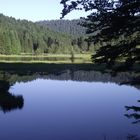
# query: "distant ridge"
{"points": [[71, 27]]}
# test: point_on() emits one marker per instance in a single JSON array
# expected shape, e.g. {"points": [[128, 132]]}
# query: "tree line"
{"points": [[22, 36], [71, 27]]}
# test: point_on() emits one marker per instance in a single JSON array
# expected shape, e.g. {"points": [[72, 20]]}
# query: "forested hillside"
{"points": [[71, 27], [22, 36]]}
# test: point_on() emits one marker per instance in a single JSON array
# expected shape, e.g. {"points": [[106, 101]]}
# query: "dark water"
{"points": [[70, 104]]}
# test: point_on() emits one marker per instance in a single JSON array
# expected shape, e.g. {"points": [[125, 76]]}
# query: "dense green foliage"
{"points": [[71, 27], [22, 36], [115, 25]]}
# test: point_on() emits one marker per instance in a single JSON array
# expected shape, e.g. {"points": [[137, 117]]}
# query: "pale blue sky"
{"points": [[35, 10]]}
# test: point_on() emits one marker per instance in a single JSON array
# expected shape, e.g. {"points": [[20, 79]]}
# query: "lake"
{"points": [[68, 102]]}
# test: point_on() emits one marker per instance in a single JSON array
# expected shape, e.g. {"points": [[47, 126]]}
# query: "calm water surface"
{"points": [[85, 105]]}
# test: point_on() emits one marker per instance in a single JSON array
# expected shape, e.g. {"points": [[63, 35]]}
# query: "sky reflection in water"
{"points": [[68, 110]]}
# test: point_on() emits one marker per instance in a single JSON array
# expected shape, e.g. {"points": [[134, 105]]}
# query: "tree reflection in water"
{"points": [[132, 137], [24, 73], [135, 115], [8, 101], [135, 109]]}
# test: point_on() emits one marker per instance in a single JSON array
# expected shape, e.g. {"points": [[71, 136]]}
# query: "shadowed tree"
{"points": [[35, 47], [114, 24], [50, 41]]}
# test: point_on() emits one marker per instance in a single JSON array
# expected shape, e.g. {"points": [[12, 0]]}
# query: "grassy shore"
{"points": [[46, 58], [86, 55]]}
